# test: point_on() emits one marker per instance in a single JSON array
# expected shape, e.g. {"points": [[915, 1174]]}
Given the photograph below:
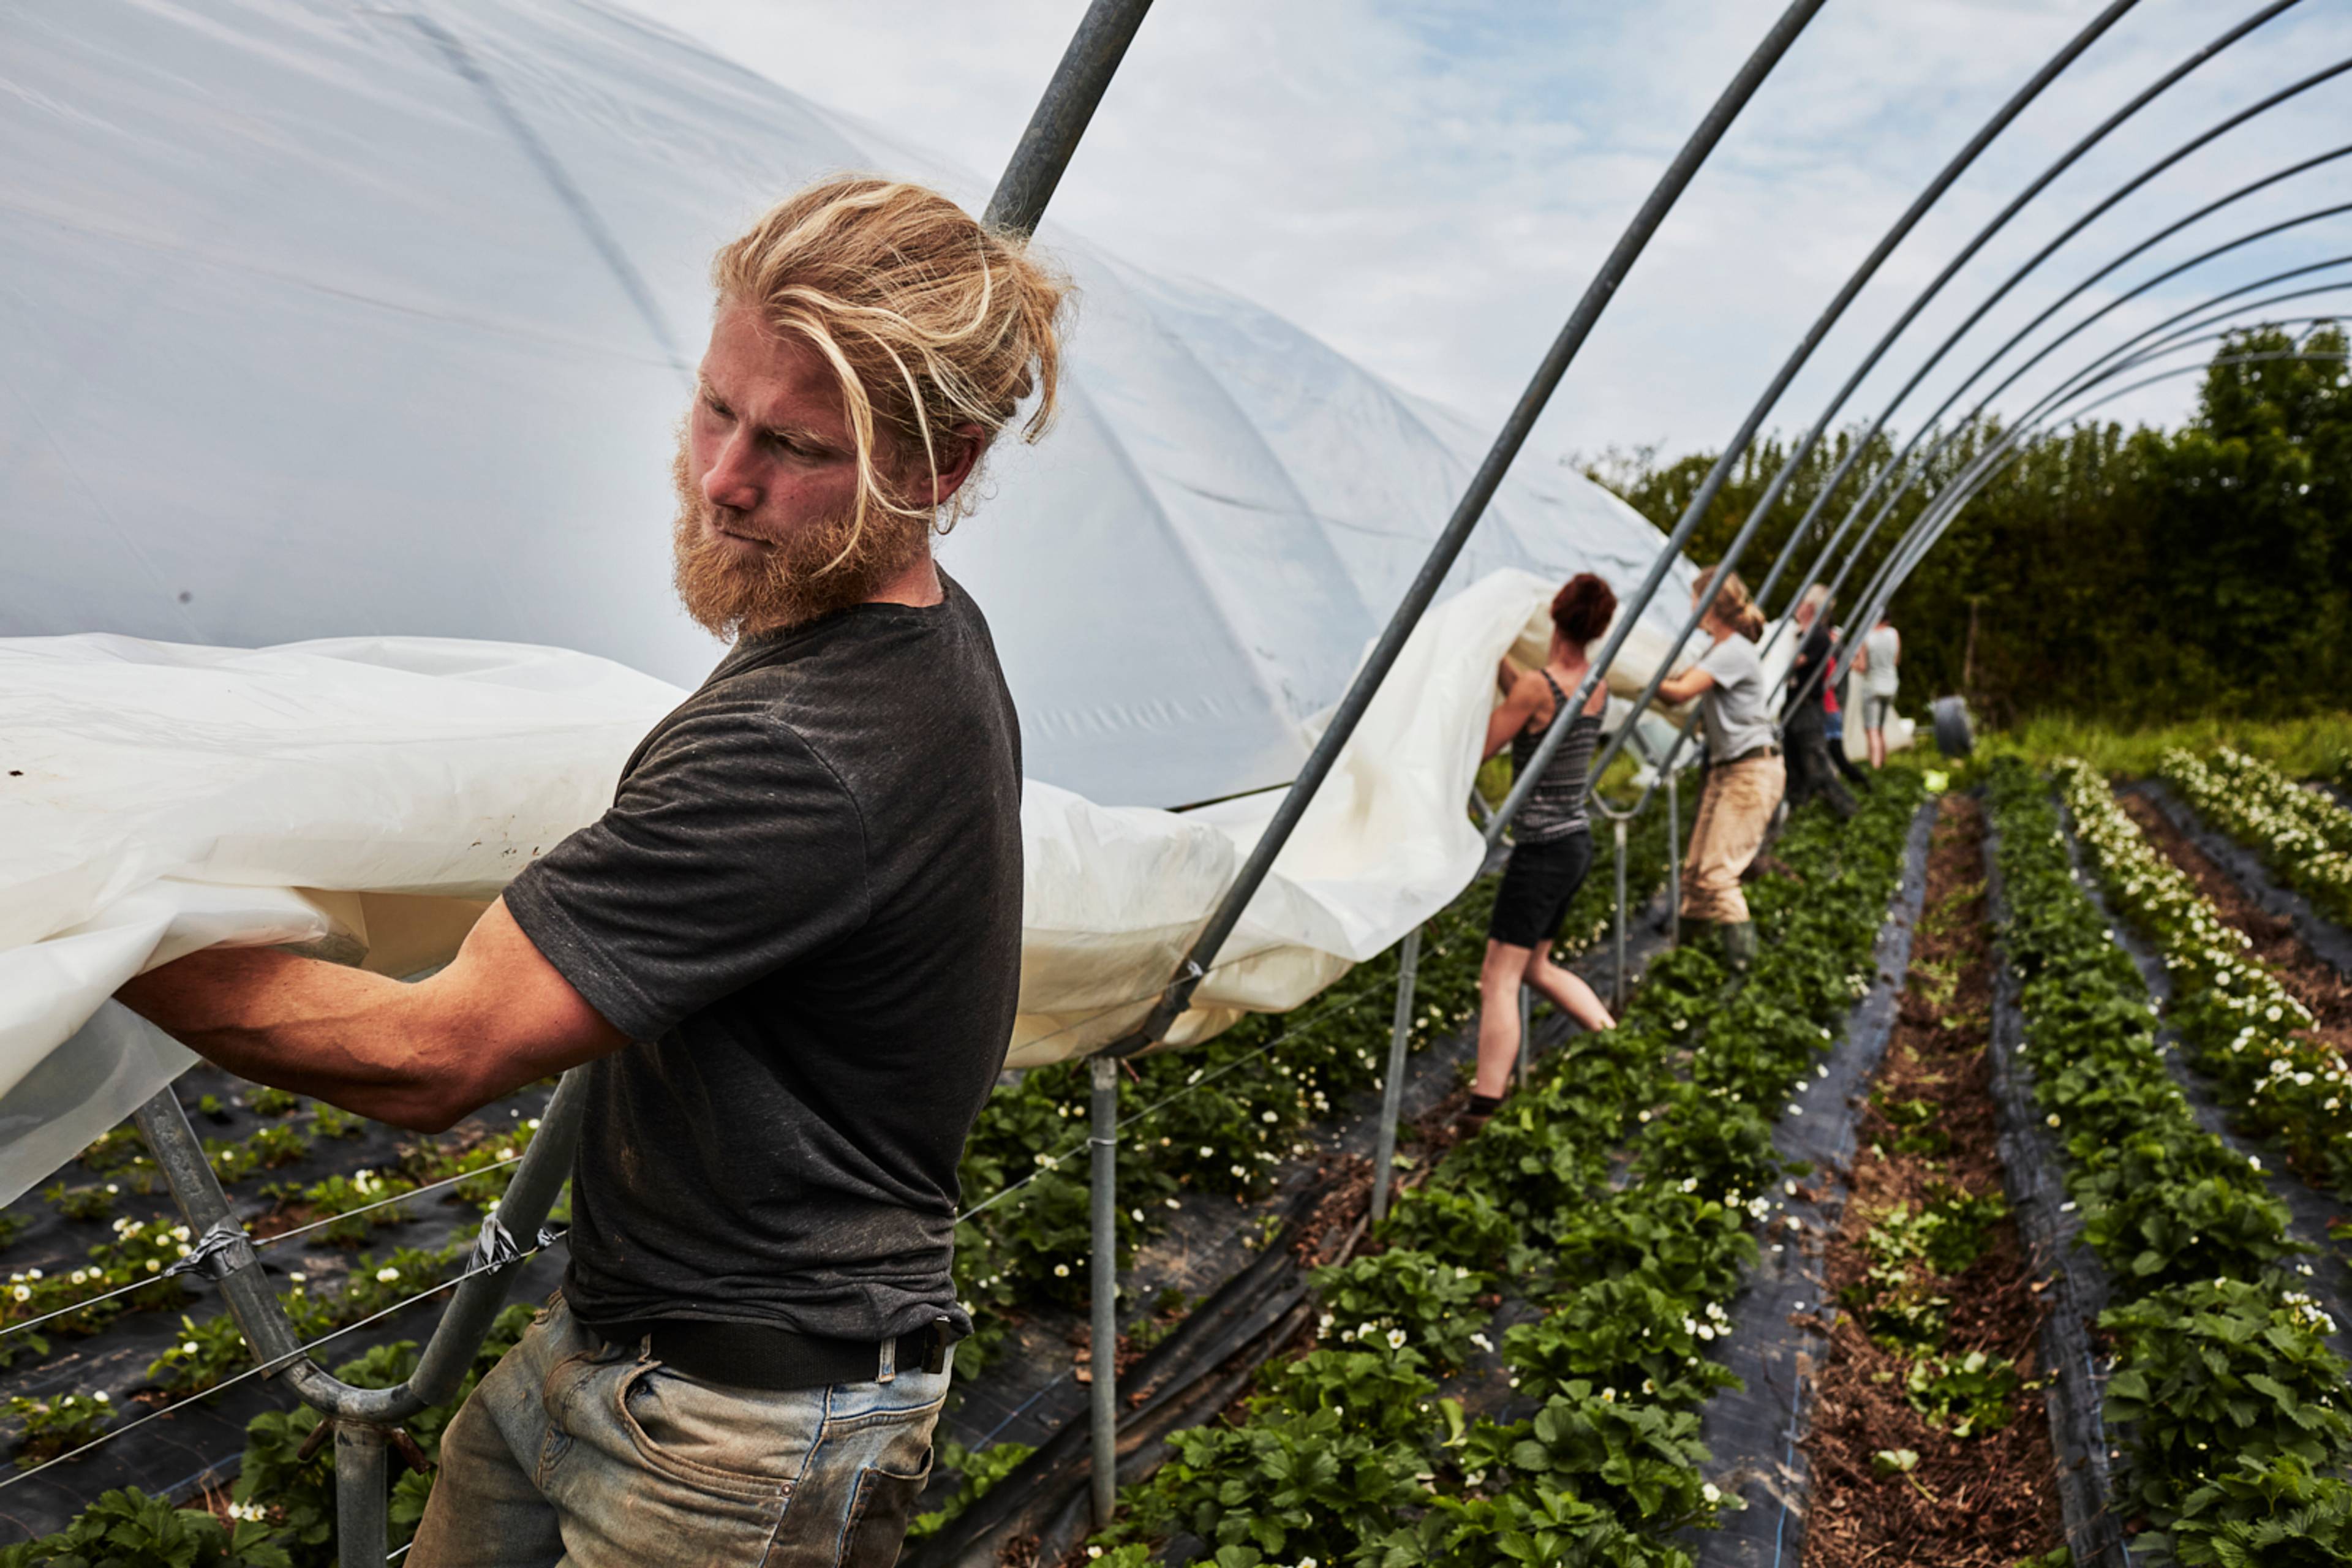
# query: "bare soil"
{"points": [[2313, 983], [1982, 1501]]}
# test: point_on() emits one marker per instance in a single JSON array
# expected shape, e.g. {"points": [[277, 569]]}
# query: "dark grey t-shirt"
{"points": [[806, 904]]}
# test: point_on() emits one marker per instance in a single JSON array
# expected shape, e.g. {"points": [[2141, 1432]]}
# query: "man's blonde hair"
{"points": [[931, 320]]}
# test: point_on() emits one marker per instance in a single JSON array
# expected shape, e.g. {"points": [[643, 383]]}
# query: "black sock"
{"points": [[1485, 1104]]}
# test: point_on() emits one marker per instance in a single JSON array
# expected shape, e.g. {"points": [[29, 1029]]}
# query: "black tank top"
{"points": [[1556, 808]]}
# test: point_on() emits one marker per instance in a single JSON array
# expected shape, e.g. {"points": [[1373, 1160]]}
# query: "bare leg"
{"points": [[1877, 739], [1498, 1017], [1567, 991]]}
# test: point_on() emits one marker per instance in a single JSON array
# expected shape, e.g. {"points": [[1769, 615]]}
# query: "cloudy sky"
{"points": [[1428, 185]]}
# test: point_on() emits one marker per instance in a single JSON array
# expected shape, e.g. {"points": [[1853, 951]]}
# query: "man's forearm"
{"points": [[355, 1039]]}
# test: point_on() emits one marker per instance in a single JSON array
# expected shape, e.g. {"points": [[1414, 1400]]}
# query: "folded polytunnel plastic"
{"points": [[373, 324], [363, 799]]}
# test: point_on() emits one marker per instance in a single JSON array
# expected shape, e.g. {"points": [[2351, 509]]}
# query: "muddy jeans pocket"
{"points": [[879, 1512]]}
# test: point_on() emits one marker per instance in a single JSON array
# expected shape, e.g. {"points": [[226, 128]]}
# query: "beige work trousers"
{"points": [[1732, 814]]}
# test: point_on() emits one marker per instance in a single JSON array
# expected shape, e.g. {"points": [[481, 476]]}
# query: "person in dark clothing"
{"points": [[1551, 845], [787, 958], [1804, 726]]}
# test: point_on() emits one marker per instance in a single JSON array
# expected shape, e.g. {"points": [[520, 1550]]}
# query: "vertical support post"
{"points": [[1617, 980], [362, 1502], [1393, 1083], [1104, 1193], [1674, 855], [1527, 1030]]}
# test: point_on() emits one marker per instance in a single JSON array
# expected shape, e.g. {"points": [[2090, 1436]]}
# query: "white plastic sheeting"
{"points": [[368, 323], [328, 320], [367, 797]]}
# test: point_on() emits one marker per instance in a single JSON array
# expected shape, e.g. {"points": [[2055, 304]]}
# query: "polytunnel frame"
{"points": [[1929, 528], [364, 1421], [1754, 521], [2064, 389]]}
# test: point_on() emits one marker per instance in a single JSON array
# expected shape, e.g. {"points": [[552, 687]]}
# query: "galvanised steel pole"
{"points": [[1673, 855], [1617, 985], [1467, 512], [1062, 114], [1712, 484], [1392, 1082], [1103, 1199], [1526, 1026], [1932, 525], [2265, 232], [1756, 514], [2069, 387]]}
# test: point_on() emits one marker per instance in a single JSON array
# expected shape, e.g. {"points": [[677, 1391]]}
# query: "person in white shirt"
{"points": [[1876, 661]]}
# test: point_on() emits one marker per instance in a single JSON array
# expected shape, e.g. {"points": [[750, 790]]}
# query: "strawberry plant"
{"points": [[131, 1529], [206, 1352], [89, 1203], [2301, 835], [56, 1426], [340, 1199], [1372, 1300], [1972, 1393], [2220, 1363]]}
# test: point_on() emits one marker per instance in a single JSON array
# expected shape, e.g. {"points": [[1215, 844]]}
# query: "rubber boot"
{"points": [[1739, 942]]}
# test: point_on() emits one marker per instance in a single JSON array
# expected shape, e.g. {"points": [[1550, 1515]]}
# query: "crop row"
{"points": [[127, 1268], [2301, 835], [2241, 1025], [1351, 1454], [1219, 1129], [2228, 1398]]}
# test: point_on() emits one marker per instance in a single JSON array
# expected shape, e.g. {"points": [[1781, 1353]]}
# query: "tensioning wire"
{"points": [[89, 1301], [270, 1366]]}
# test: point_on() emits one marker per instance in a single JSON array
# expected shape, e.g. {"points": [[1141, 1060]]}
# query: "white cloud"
{"points": [[1429, 186]]}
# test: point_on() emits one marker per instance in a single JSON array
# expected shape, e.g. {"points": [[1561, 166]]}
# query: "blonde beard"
{"points": [[822, 566]]}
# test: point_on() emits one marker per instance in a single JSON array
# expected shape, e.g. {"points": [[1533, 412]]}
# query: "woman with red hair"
{"points": [[1551, 839]]}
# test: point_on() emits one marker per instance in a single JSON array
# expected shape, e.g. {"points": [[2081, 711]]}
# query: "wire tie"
{"points": [[218, 1254], [495, 1246]]}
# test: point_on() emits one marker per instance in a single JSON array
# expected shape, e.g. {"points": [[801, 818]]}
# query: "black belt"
{"points": [[762, 1356], [1750, 755]]}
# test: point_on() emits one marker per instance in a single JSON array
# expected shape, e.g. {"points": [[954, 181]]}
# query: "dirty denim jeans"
{"points": [[577, 1452]]}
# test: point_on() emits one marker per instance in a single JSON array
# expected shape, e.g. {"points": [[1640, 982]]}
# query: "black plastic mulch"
{"points": [[1781, 1316], [2310, 1210], [201, 1440], [2052, 1231], [1030, 1390], [2328, 942]]}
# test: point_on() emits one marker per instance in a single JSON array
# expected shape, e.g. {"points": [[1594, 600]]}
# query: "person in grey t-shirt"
{"points": [[1744, 775], [787, 958]]}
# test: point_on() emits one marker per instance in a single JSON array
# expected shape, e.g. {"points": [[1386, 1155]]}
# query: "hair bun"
{"points": [[1581, 610]]}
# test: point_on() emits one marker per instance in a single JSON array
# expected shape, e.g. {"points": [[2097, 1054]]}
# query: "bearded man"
{"points": [[789, 955]]}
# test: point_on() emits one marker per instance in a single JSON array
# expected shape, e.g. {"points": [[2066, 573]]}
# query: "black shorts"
{"points": [[1537, 884]]}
